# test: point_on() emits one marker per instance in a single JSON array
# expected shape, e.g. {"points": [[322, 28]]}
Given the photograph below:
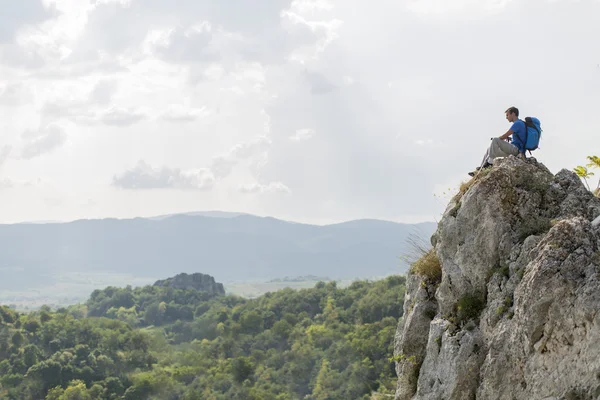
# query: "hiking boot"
{"points": [[486, 165]]}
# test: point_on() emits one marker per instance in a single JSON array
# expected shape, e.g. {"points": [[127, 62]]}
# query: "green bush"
{"points": [[469, 307]]}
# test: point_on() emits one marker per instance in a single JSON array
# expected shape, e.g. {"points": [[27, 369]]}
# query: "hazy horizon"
{"points": [[207, 213]]}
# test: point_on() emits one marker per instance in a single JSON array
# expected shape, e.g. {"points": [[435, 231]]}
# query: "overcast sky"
{"points": [[310, 110]]}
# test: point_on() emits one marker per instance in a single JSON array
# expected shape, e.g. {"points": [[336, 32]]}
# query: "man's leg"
{"points": [[486, 157], [501, 148], [498, 148]]}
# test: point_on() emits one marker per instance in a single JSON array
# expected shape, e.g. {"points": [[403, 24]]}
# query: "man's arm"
{"points": [[507, 134]]}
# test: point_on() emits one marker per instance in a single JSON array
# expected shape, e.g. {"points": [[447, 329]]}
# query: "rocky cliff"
{"points": [[197, 281], [515, 314]]}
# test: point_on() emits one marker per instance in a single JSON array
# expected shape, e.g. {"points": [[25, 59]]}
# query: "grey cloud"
{"points": [[83, 110], [6, 183], [104, 91], [303, 134], [189, 45], [15, 56], [18, 13], [29, 134], [43, 141], [72, 67], [178, 113], [128, 28], [366, 157], [143, 176], [4, 153], [233, 34], [319, 84], [58, 109], [222, 166], [257, 188], [25, 16], [15, 94], [251, 148], [116, 116], [355, 161]]}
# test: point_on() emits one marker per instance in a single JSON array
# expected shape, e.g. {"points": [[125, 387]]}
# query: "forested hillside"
{"points": [[166, 343]]}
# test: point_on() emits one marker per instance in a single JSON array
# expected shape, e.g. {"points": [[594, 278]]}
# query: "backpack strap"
{"points": [[526, 135]]}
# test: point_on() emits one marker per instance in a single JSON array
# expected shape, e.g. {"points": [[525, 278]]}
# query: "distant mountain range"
{"points": [[214, 214], [231, 247]]}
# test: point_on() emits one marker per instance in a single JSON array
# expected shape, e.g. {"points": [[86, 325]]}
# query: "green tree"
{"points": [[242, 368], [76, 391], [31, 354], [251, 322], [585, 173], [17, 339], [327, 383], [324, 342]]}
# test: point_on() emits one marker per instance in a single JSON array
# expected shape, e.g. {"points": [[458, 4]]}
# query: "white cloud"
{"points": [[226, 97], [82, 102], [41, 44], [313, 16], [43, 141], [423, 142], [254, 150], [4, 153], [455, 7], [103, 91], [198, 28], [257, 188], [15, 94], [118, 116], [222, 166], [157, 39], [180, 113], [144, 176], [122, 3], [303, 134], [6, 183], [16, 15], [348, 80], [256, 146]]}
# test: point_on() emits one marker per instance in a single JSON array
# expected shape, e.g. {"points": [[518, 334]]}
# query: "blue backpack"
{"points": [[533, 133]]}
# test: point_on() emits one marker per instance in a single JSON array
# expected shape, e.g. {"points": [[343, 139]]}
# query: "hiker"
{"points": [[502, 146]]}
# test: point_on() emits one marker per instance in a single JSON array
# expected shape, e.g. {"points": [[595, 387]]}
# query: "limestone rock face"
{"points": [[516, 313]]}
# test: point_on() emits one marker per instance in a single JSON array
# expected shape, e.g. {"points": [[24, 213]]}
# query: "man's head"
{"points": [[512, 114]]}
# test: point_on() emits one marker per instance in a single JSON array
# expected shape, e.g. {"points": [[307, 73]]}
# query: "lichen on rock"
{"points": [[515, 315]]}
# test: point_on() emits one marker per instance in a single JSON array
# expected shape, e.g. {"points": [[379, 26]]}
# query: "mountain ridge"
{"points": [[237, 249], [211, 214]]}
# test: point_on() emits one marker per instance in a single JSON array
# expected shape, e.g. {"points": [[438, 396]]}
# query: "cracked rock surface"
{"points": [[516, 312]]}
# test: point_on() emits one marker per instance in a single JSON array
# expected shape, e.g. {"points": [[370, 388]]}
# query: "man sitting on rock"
{"points": [[501, 146]]}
